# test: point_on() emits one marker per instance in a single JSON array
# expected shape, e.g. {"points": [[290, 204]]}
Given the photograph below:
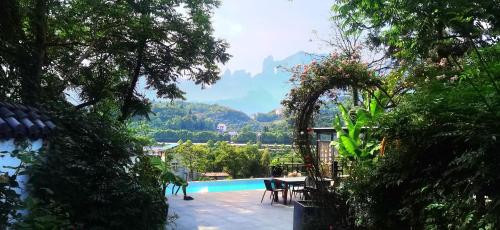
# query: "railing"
{"points": [[285, 168]]}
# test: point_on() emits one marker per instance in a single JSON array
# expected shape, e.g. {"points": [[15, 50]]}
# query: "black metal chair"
{"points": [[312, 187], [298, 189], [273, 188]]}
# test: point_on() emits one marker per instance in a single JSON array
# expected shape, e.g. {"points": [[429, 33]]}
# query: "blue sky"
{"points": [[261, 34], [256, 29]]}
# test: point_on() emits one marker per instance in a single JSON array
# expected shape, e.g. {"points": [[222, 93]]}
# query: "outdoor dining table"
{"points": [[292, 181], [287, 182]]}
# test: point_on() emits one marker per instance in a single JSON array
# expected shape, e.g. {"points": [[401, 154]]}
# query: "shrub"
{"points": [[88, 173]]}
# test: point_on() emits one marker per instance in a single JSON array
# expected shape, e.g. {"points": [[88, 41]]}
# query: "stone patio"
{"points": [[240, 210]]}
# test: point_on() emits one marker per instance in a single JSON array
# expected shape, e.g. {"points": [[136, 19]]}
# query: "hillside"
{"points": [[179, 120], [195, 116]]}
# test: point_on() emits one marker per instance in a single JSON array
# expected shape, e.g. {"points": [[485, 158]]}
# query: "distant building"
{"points": [[162, 150], [232, 133], [159, 150], [178, 168], [221, 128], [216, 175]]}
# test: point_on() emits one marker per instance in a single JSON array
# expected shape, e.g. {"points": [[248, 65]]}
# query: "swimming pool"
{"points": [[222, 186]]}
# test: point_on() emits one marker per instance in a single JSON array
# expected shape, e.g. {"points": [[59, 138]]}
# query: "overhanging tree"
{"points": [[54, 51], [100, 49]]}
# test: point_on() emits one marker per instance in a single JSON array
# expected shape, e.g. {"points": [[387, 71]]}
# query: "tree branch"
{"points": [[125, 109], [87, 103]]}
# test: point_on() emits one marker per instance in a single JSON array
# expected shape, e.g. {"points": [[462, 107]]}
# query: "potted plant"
{"points": [[323, 209], [310, 214]]}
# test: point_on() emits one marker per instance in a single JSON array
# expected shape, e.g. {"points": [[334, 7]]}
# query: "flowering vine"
{"points": [[312, 82]]}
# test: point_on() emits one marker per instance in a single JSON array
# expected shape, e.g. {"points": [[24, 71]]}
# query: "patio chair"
{"points": [[309, 187], [298, 189], [271, 186]]}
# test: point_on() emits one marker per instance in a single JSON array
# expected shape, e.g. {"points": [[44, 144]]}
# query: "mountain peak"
{"points": [[249, 93], [268, 65]]}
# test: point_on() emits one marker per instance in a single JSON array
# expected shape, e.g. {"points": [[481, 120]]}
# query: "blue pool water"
{"points": [[221, 186]]}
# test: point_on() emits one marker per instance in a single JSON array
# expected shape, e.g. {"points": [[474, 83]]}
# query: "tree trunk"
{"points": [[129, 95], [33, 66], [191, 172], [355, 96]]}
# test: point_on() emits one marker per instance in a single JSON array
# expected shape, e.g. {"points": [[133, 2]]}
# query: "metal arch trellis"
{"points": [[314, 81]]}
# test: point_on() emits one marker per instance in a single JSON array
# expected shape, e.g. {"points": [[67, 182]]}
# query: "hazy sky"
{"points": [[256, 29]]}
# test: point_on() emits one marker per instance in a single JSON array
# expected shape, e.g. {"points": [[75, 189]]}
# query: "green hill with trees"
{"points": [[195, 116], [180, 120]]}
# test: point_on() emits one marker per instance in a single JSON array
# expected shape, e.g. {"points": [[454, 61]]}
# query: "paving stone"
{"points": [[240, 210]]}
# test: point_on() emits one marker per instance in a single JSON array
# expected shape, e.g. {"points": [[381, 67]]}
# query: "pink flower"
{"points": [[440, 77], [443, 62], [306, 68]]}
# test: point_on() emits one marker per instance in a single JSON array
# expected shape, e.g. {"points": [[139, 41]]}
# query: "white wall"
{"points": [[9, 146]]}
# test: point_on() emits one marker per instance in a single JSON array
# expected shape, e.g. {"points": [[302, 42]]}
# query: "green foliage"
{"points": [[316, 82], [245, 135], [44, 216], [164, 176], [95, 52], [170, 135], [324, 117], [195, 116], [440, 165], [239, 161], [358, 143], [192, 156], [11, 203], [252, 167], [284, 154], [415, 30], [266, 117], [447, 132], [87, 173], [275, 137], [265, 159], [197, 122], [230, 159], [142, 132], [71, 45]]}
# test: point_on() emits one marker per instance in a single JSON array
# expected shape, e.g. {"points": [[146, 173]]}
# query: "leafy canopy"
{"points": [[100, 49]]}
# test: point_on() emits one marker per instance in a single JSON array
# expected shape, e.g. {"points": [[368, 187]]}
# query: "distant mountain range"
{"points": [[240, 90]]}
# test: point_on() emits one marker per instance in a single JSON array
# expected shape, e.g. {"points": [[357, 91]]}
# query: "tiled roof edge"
{"points": [[20, 121]]}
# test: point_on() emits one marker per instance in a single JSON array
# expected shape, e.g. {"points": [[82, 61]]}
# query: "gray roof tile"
{"points": [[19, 121]]}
